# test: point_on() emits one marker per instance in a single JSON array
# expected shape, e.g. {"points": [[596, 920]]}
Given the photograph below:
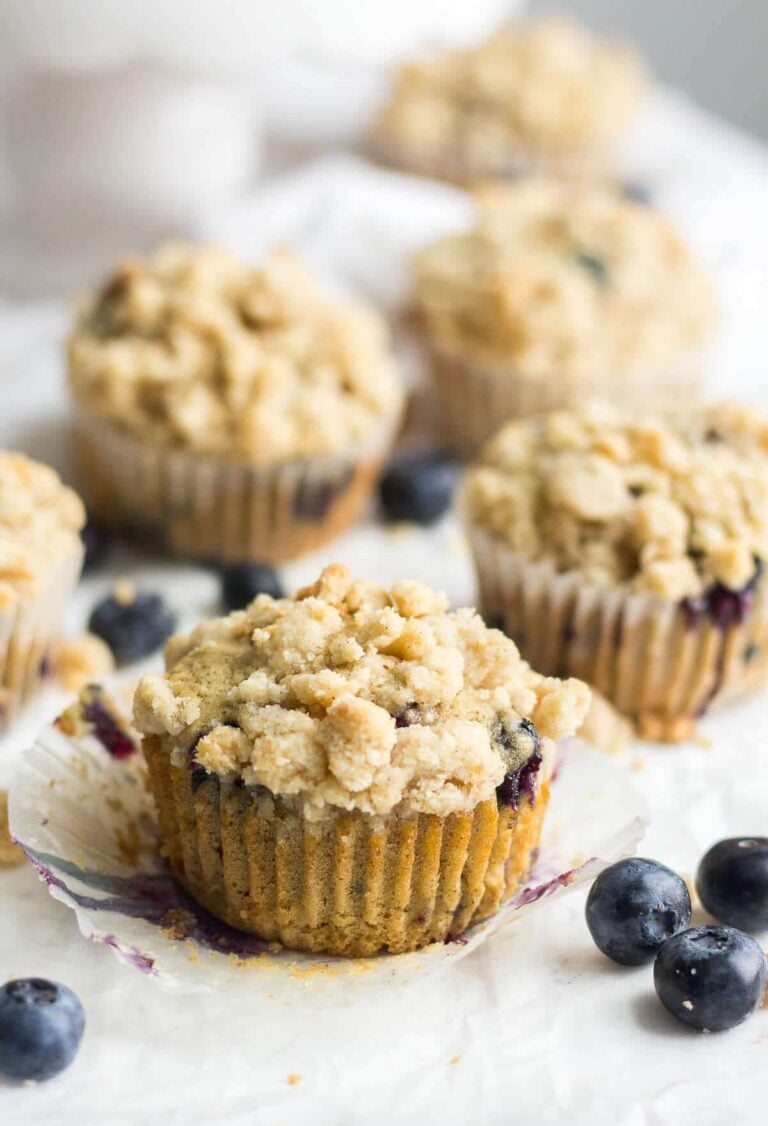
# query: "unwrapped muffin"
{"points": [[539, 96], [559, 291], [232, 413], [41, 555], [352, 770], [630, 551]]}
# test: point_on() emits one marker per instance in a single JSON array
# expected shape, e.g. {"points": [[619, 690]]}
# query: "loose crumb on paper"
{"points": [[294, 1079], [79, 661], [454, 1059]]}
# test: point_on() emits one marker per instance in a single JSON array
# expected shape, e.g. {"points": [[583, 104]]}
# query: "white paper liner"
{"points": [[474, 401], [211, 508], [28, 628], [87, 823]]}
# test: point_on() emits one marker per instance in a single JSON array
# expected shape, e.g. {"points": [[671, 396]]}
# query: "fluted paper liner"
{"points": [[658, 665], [473, 402], [87, 822], [350, 884], [28, 629], [203, 507]]}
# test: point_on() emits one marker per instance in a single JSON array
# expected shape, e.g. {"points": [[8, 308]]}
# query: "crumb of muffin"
{"points": [[673, 506], [355, 697], [81, 660], [294, 1079], [605, 727]]}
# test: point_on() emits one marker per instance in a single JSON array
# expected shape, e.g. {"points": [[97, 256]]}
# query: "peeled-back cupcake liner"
{"points": [[350, 884], [473, 401], [660, 661], [81, 808], [203, 507], [28, 630]]}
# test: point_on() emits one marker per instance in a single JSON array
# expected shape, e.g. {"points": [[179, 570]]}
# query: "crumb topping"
{"points": [[545, 85], [40, 521], [667, 506], [572, 280], [79, 661], [200, 350], [355, 697]]}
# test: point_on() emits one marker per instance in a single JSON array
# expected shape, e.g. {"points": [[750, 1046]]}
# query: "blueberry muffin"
{"points": [[230, 412], [629, 550], [559, 291], [543, 96], [41, 555], [354, 769]]}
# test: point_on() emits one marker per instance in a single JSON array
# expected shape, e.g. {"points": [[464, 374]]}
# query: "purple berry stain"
{"points": [[106, 727]]}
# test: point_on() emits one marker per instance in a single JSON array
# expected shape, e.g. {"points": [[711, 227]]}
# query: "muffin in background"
{"points": [[629, 550], [229, 412], [41, 556], [354, 769], [544, 96], [559, 292]]}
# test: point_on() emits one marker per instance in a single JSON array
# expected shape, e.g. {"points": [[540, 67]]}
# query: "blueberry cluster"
{"points": [[711, 977]]}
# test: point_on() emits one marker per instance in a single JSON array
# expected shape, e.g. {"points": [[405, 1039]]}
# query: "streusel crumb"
{"points": [[40, 521], [563, 280], [667, 506], [204, 352], [79, 661], [356, 697], [546, 85]]}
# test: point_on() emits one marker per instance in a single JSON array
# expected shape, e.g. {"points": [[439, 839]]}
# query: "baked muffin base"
{"points": [[350, 884], [651, 657], [453, 166], [473, 401], [28, 629], [206, 508]]}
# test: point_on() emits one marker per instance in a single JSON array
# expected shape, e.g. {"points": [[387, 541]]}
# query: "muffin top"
{"points": [[567, 279], [671, 507], [198, 350], [40, 522], [540, 85], [355, 697]]}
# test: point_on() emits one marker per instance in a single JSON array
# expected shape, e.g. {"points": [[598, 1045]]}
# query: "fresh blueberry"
{"points": [[637, 192], [133, 625], [96, 543], [418, 488], [633, 907], [594, 266], [41, 1026], [732, 882], [712, 978], [242, 582]]}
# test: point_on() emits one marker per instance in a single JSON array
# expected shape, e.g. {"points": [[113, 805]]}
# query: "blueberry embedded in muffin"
{"points": [[351, 712]]}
